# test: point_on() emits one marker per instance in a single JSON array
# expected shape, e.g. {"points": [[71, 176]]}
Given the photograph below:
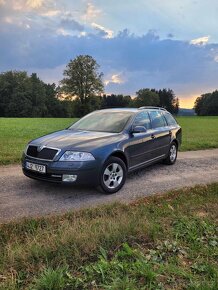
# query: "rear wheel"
{"points": [[113, 175], [172, 155]]}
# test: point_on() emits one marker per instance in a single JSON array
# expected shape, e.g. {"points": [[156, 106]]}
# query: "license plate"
{"points": [[36, 167]]}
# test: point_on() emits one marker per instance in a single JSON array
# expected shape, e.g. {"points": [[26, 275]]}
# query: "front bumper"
{"points": [[87, 172]]}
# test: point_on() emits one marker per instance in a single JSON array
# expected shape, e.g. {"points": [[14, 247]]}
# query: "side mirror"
{"points": [[139, 129]]}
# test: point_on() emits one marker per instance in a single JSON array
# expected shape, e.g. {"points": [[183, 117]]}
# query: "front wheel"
{"points": [[113, 175], [172, 155]]}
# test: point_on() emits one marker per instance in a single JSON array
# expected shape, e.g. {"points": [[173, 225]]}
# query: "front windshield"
{"points": [[101, 121]]}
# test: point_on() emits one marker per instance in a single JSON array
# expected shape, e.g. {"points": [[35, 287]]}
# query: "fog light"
{"points": [[69, 178]]}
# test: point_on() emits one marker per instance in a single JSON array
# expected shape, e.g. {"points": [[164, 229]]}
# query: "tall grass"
{"points": [[166, 241]]}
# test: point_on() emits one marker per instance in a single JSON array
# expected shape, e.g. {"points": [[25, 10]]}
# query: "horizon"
{"points": [[137, 45]]}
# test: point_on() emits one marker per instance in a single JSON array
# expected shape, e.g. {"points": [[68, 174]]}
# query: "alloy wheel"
{"points": [[113, 175], [173, 153]]}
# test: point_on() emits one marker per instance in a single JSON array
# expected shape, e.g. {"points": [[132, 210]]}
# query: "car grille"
{"points": [[46, 153]]}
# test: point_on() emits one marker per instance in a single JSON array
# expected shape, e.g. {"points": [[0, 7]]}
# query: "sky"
{"points": [[138, 44]]}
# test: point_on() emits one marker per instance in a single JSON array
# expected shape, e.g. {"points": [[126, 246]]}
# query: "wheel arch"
{"points": [[175, 141], [121, 155]]}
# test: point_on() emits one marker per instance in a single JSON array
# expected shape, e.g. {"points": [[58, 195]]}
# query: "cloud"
{"points": [[24, 5], [43, 35], [51, 13], [82, 34], [200, 41], [106, 33], [7, 19], [115, 78], [49, 75], [170, 35], [45, 38], [91, 12], [17, 5], [68, 21], [64, 32], [41, 17], [34, 3]]}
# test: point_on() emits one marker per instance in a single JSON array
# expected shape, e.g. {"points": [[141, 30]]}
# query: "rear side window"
{"points": [[170, 120], [142, 119], [157, 119]]}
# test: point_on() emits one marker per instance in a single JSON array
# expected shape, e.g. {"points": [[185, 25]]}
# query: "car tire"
{"points": [[172, 154], [113, 175]]}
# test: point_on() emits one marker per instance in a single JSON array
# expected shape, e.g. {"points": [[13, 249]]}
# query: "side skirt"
{"points": [[146, 163]]}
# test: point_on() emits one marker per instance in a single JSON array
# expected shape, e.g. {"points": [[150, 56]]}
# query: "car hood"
{"points": [[79, 140]]}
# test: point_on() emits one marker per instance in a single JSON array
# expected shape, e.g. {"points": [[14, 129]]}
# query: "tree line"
{"points": [[27, 96], [207, 104], [22, 95]]}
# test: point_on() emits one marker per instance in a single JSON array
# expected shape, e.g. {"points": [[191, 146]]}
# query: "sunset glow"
{"points": [[187, 102]]}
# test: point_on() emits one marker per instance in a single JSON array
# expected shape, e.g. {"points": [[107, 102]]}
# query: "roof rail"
{"points": [[150, 107]]}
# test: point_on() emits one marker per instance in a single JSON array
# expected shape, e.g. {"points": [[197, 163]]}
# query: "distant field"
{"points": [[198, 133]]}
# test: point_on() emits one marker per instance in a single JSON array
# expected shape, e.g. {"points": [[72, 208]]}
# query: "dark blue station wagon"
{"points": [[102, 147]]}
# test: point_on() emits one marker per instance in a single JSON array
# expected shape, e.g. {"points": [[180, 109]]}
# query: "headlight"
{"points": [[76, 156]]}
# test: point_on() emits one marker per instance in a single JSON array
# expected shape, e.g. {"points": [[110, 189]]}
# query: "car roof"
{"points": [[134, 110]]}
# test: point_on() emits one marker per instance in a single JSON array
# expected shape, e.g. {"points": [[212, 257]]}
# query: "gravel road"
{"points": [[23, 197]]}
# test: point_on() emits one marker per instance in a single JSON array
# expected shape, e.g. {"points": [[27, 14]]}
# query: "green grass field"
{"points": [[198, 133], [160, 242], [16, 132]]}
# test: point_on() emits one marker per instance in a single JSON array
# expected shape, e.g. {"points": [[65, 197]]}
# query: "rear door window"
{"points": [[142, 119], [157, 119], [170, 120]]}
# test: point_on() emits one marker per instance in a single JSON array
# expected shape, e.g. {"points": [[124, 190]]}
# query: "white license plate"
{"points": [[36, 167]]}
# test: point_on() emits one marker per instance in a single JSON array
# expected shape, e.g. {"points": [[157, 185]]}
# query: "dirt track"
{"points": [[22, 197]]}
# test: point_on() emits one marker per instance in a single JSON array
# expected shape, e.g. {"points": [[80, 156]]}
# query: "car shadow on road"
{"points": [[61, 189]]}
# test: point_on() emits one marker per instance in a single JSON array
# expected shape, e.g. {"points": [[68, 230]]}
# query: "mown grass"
{"points": [[160, 242], [15, 133], [198, 133]]}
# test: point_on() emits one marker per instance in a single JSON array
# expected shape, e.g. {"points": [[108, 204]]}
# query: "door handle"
{"points": [[152, 136]]}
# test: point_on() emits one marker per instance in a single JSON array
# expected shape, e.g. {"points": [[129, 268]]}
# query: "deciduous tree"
{"points": [[207, 104], [145, 97], [82, 78]]}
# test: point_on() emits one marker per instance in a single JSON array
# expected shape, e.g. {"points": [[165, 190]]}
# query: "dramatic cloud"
{"points": [[43, 35]]}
